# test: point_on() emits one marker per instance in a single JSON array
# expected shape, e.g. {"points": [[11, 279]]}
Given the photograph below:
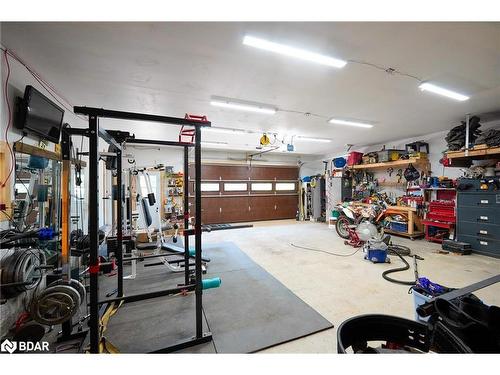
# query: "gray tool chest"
{"points": [[478, 214]]}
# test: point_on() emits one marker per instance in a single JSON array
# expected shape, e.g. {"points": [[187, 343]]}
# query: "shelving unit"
{"points": [[478, 152], [464, 157], [421, 163], [172, 194]]}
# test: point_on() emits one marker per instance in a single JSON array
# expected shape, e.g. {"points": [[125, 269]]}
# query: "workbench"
{"points": [[413, 221]]}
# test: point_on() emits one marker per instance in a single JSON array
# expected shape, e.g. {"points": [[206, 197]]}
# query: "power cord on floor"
{"points": [[324, 251], [398, 250]]}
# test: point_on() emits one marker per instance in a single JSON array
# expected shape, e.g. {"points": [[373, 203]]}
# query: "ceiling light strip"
{"points": [[243, 107], [312, 139], [209, 143], [350, 123], [426, 86], [214, 129], [293, 52]]}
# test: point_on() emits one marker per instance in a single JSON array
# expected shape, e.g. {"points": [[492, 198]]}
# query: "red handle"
{"points": [[195, 117]]}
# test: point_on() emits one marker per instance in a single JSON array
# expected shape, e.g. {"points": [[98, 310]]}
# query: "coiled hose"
{"points": [[401, 251]]}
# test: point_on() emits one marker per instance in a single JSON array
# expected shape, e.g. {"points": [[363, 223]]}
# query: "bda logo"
{"points": [[24, 346], [8, 346]]}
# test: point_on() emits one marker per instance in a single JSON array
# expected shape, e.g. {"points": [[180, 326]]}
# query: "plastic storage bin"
{"points": [[419, 298], [389, 155], [399, 227], [354, 158]]}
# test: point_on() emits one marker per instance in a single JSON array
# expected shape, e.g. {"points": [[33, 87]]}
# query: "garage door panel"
{"points": [[210, 210], [234, 209], [286, 206], [223, 172], [274, 173], [263, 207]]}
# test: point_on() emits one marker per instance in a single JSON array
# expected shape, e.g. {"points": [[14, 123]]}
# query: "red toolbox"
{"points": [[442, 211], [440, 220]]}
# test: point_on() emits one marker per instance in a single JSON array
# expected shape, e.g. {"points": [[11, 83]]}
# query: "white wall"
{"points": [[313, 167], [147, 156]]}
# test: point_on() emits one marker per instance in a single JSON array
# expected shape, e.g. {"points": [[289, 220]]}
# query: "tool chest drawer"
{"points": [[491, 231], [484, 215], [479, 200], [488, 184], [482, 245]]}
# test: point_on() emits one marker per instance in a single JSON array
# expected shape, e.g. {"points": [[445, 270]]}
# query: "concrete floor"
{"points": [[342, 287]]}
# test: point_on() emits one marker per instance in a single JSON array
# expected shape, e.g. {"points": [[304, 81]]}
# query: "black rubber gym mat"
{"points": [[249, 312]]}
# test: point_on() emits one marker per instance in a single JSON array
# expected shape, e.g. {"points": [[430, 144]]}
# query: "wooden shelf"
{"points": [[392, 184], [396, 163], [478, 152], [25, 148]]}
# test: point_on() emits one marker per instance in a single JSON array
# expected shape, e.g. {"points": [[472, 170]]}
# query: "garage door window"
{"points": [[209, 186], [262, 186], [285, 186], [231, 186]]}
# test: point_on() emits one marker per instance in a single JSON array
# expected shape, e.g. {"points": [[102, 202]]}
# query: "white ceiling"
{"points": [[174, 68]]}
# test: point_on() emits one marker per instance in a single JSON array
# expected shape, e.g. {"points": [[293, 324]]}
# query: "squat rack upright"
{"points": [[94, 132]]}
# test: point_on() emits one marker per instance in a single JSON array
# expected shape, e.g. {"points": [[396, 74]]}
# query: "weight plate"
{"points": [[5, 267], [10, 267], [80, 288], [55, 305], [8, 274], [28, 270], [16, 277]]}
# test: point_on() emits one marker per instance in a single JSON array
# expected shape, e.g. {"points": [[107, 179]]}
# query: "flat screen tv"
{"points": [[40, 116]]}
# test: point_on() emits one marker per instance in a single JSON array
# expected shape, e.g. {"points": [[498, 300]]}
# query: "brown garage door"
{"points": [[238, 193]]}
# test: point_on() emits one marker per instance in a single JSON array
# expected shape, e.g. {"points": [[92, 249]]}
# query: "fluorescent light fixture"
{"points": [[223, 130], [311, 139], [350, 123], [426, 86], [211, 144], [243, 107], [293, 52]]}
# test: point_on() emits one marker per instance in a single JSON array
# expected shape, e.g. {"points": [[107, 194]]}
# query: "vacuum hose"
{"points": [[399, 250]]}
